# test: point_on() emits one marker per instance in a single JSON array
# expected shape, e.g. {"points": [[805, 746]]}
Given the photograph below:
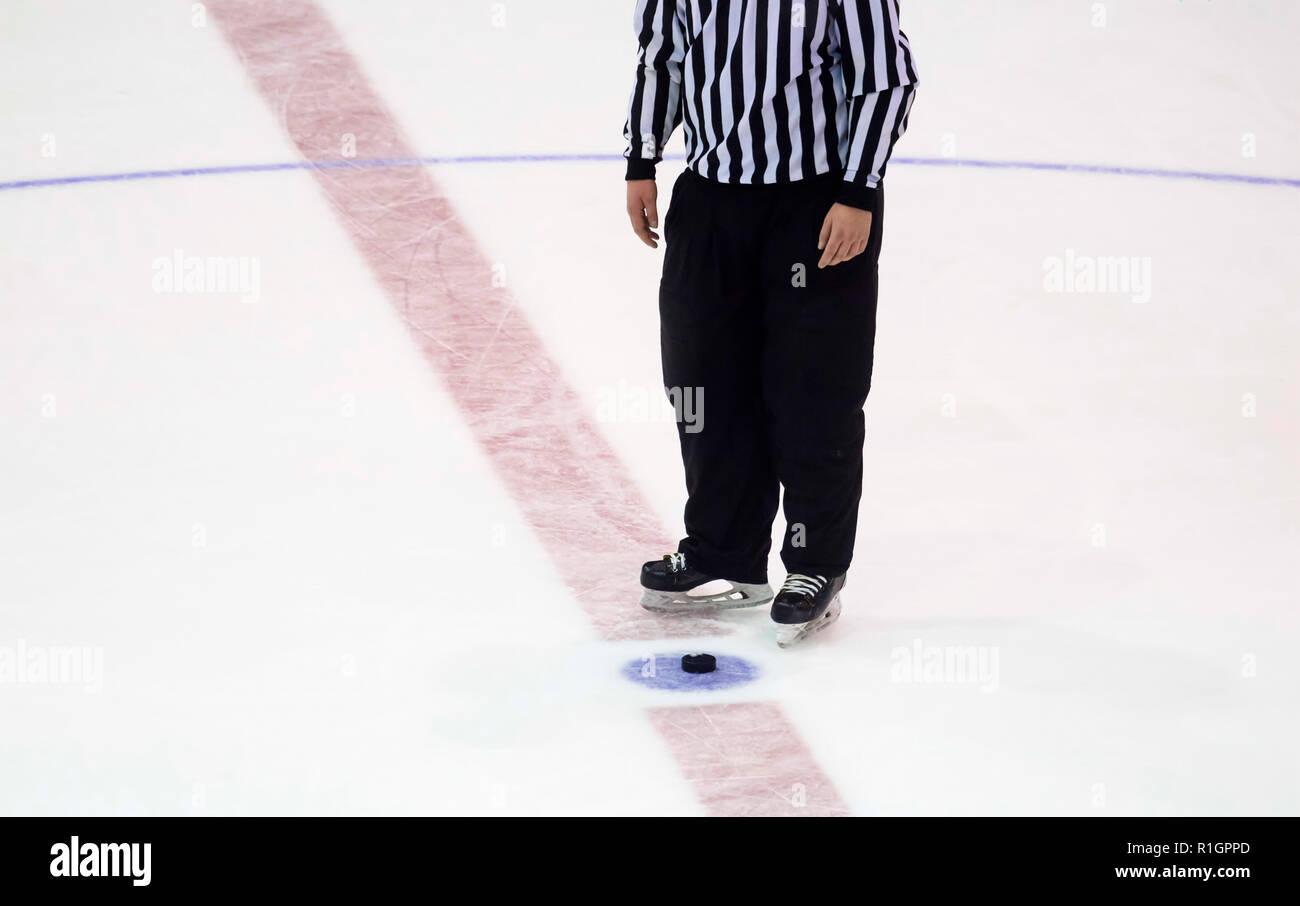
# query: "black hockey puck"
{"points": [[699, 663]]}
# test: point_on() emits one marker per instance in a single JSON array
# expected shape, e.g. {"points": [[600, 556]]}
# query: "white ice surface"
{"points": [[325, 648]]}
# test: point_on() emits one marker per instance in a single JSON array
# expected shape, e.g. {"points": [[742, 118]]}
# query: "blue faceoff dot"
{"points": [[664, 671]]}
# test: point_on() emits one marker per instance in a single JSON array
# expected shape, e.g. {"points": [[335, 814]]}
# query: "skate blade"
{"points": [[793, 634], [737, 596]]}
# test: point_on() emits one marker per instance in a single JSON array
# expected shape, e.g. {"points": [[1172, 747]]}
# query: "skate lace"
{"points": [[676, 562], [799, 584]]}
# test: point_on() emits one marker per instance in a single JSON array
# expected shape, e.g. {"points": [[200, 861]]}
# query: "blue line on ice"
{"points": [[363, 163]]}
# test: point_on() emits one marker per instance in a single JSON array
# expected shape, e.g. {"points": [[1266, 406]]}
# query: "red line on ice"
{"points": [[746, 759], [576, 495]]}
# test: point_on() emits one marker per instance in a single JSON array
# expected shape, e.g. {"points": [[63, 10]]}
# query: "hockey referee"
{"points": [[767, 303]]}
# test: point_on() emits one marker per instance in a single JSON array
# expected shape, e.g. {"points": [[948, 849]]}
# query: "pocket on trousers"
{"points": [[689, 269], [675, 202]]}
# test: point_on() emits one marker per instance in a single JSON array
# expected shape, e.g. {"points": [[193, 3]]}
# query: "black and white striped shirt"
{"points": [[771, 91]]}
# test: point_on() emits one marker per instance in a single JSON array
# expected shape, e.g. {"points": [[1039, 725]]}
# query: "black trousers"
{"points": [[773, 360]]}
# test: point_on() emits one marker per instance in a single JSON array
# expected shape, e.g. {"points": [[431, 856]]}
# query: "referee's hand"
{"points": [[642, 210], [845, 233]]}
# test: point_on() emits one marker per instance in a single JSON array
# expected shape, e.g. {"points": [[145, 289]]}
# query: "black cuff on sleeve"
{"points": [[856, 196], [638, 168]]}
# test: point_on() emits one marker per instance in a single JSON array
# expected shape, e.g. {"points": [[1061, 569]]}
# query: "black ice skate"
{"points": [[673, 587], [805, 605]]}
